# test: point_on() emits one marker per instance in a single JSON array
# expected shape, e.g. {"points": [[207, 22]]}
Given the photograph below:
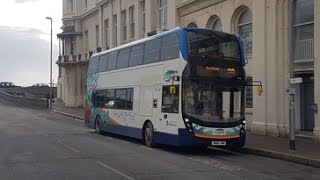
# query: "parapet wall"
{"points": [[39, 92], [22, 101]]}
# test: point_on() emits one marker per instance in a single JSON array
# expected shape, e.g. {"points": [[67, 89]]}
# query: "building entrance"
{"points": [[307, 103]]}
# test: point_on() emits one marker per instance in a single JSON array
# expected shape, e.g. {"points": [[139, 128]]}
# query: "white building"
{"points": [[276, 32]]}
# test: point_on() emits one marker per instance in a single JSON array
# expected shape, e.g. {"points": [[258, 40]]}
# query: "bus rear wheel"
{"points": [[97, 125], [148, 135]]}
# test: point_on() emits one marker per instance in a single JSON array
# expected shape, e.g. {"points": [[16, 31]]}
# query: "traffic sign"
{"points": [[296, 80]]}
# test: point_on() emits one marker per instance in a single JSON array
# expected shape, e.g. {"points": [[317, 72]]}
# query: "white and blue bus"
{"points": [[183, 87]]}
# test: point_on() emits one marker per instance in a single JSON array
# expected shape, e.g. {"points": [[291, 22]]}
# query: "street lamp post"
{"points": [[291, 88], [50, 88]]}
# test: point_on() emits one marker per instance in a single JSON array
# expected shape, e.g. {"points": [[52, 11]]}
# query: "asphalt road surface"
{"points": [[37, 144]]}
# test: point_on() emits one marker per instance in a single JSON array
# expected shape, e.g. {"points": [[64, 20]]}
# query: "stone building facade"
{"points": [[278, 34]]}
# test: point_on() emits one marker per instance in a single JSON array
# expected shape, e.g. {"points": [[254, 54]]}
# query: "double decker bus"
{"points": [[183, 87]]}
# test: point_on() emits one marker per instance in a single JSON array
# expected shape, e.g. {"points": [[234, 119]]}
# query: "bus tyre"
{"points": [[148, 135], [97, 125]]}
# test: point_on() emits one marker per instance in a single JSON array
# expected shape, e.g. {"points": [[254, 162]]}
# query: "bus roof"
{"points": [[178, 30], [183, 41]]}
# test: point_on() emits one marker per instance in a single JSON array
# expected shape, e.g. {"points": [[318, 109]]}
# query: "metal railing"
{"points": [[73, 58], [77, 57], [304, 50]]}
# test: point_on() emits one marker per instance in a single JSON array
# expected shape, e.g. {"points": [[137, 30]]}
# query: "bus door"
{"points": [[156, 104], [169, 114]]}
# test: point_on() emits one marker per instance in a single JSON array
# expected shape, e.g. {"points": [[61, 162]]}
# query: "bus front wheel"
{"points": [[148, 135], [97, 125]]}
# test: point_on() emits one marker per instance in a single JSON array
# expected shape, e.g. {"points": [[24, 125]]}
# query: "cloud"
{"points": [[24, 56], [24, 1], [31, 14]]}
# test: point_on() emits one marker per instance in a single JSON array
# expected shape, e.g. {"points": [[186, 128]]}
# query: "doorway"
{"points": [[307, 103]]}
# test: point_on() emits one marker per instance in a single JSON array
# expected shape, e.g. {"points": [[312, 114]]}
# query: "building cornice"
{"points": [[185, 3], [87, 13], [191, 6], [102, 3]]}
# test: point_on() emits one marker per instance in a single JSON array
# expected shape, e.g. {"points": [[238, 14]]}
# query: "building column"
{"points": [[316, 130], [258, 125], [270, 66]]}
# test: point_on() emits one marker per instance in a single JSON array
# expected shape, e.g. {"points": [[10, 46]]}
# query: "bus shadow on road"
{"points": [[188, 151], [198, 151]]}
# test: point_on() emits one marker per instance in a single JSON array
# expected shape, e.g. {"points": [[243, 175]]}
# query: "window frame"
{"points": [[85, 4], [131, 22], [124, 26], [70, 6], [129, 98], [295, 26], [163, 14], [86, 41], [239, 25], [97, 36], [115, 30], [214, 22], [106, 30], [142, 6]]}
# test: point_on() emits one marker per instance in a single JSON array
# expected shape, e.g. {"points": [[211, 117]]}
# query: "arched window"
{"points": [[244, 26], [303, 27], [192, 25], [214, 23], [217, 25]]}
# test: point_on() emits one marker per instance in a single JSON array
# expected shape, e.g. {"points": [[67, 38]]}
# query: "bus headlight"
{"points": [[188, 124], [243, 127]]}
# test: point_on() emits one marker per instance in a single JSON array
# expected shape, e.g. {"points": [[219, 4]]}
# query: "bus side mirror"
{"points": [[173, 90], [259, 90]]}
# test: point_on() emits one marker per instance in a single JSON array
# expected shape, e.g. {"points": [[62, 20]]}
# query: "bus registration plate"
{"points": [[218, 143]]}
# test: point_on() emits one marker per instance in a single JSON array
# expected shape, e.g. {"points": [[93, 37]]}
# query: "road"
{"points": [[38, 144]]}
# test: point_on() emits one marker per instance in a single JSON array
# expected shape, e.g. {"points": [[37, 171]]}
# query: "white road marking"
{"points": [[114, 170], [218, 164], [126, 142], [19, 124], [30, 127], [69, 147], [27, 153], [223, 166], [43, 133], [47, 120], [108, 137], [145, 147]]}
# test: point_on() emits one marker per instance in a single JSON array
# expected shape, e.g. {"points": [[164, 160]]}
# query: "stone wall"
{"points": [[22, 101], [40, 92]]}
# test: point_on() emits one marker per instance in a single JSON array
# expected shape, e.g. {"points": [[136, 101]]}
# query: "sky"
{"points": [[25, 40]]}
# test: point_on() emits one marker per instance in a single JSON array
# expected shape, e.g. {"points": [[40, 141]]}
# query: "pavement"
{"points": [[307, 151]]}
